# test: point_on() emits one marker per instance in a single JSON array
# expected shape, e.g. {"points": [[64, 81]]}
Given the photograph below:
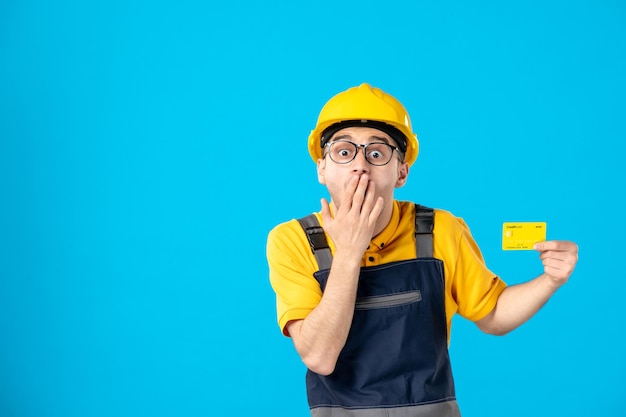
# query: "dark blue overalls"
{"points": [[395, 361]]}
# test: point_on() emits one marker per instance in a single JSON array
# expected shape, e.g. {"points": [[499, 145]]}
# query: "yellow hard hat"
{"points": [[364, 106]]}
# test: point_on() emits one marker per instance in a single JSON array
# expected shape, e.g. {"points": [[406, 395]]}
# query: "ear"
{"points": [[321, 171], [403, 173]]}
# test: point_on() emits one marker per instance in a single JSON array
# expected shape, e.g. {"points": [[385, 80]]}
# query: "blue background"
{"points": [[146, 149]]}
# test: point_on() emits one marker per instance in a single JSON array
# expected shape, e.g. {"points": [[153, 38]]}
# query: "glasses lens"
{"points": [[342, 152], [376, 153]]}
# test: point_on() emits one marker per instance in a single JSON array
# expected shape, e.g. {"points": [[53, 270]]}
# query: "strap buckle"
{"points": [[316, 238]]}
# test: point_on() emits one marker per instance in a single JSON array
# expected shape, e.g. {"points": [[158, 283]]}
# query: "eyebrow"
{"points": [[380, 138]]}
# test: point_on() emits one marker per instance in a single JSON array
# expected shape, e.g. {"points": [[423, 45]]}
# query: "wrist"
{"points": [[551, 282], [349, 256]]}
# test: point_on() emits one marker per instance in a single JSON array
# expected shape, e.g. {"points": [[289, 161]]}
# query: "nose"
{"points": [[359, 163]]}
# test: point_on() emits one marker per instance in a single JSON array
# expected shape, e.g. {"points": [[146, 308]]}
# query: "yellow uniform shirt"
{"points": [[472, 290]]}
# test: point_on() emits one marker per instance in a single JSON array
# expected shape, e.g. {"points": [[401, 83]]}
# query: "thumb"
{"points": [[326, 217]]}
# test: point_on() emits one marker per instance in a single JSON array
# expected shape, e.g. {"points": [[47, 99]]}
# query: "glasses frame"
{"points": [[358, 146]]}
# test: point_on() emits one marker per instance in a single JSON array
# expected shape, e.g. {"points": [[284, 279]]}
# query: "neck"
{"points": [[384, 218]]}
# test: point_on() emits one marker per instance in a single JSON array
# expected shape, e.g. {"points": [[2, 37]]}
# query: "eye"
{"points": [[343, 150], [377, 151], [375, 154]]}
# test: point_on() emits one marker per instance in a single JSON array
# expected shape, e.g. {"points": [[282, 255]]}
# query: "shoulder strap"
{"points": [[317, 240], [424, 223]]}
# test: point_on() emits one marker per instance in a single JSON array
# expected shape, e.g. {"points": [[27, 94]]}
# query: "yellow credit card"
{"points": [[522, 235]]}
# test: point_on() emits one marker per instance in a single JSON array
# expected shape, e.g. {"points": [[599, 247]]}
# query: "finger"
{"points": [[556, 263], [360, 193], [557, 273], [559, 256], [377, 210], [326, 216], [558, 269], [556, 245], [565, 267], [349, 192], [369, 198]]}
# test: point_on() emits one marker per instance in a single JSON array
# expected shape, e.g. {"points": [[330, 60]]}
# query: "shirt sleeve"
{"points": [[477, 287], [473, 288], [291, 268]]}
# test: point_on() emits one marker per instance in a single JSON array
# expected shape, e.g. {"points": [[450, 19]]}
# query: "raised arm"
{"points": [[320, 337], [520, 302]]}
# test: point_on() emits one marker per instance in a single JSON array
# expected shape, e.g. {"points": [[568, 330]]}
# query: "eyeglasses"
{"points": [[376, 153]]}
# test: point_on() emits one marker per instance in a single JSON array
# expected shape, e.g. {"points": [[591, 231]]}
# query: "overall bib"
{"points": [[395, 362]]}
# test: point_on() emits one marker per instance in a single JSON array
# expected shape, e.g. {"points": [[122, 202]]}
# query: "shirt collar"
{"points": [[383, 238]]}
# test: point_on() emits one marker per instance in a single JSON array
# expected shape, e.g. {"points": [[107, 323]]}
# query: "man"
{"points": [[368, 297]]}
